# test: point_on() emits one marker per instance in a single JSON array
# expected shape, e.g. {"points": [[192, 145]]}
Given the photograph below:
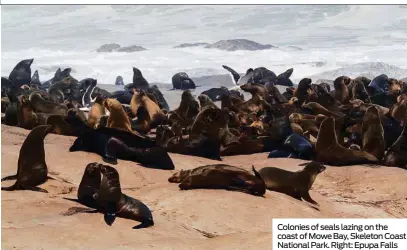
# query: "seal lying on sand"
{"points": [[396, 155], [32, 169], [220, 176], [296, 184]]}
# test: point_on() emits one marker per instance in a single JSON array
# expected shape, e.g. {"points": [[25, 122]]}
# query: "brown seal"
{"points": [[220, 176], [206, 102], [329, 151], [95, 112], [307, 124], [396, 155], [141, 99], [395, 85], [304, 90], [317, 109], [59, 125], [399, 109], [32, 169], [373, 133], [26, 117], [296, 184], [341, 89], [230, 102], [359, 92], [142, 122], [114, 203], [42, 106], [186, 112], [118, 118]]}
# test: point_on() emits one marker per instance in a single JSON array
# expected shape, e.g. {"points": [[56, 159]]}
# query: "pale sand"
{"points": [[183, 219]]}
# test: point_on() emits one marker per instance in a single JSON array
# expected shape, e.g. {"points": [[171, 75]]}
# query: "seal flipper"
{"points": [[37, 189], [144, 224], [76, 210], [235, 75], [11, 188], [9, 178], [110, 213]]}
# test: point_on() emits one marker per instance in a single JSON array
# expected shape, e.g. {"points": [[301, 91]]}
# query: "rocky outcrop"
{"points": [[114, 47], [238, 44], [188, 45]]}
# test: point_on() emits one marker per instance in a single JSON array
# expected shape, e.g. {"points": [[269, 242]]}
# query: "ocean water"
{"points": [[335, 40]]}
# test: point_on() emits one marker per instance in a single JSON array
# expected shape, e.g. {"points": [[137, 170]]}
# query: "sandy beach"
{"points": [[194, 219]]}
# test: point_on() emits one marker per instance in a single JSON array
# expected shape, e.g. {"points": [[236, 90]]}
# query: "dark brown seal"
{"points": [[373, 133], [296, 184], [32, 169], [220, 176], [396, 155], [341, 89], [26, 117], [42, 106], [186, 112], [206, 102], [114, 203], [59, 125], [329, 151]]}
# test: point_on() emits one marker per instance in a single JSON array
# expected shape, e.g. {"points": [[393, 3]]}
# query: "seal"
{"points": [[42, 106], [373, 133], [26, 117], [329, 151], [142, 122], [186, 112], [206, 102], [119, 81], [103, 142], [182, 81], [96, 111], [300, 146], [21, 73], [139, 82], [304, 90], [359, 92], [215, 93], [115, 203], [162, 103], [32, 169], [378, 84], [399, 109], [318, 109], [141, 99], [295, 184], [396, 155], [59, 125], [341, 89], [35, 79], [220, 176], [118, 118]]}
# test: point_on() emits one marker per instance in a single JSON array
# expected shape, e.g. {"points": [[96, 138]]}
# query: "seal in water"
{"points": [[220, 176], [21, 74], [329, 151], [115, 203], [373, 133], [295, 184], [32, 169], [182, 81]]}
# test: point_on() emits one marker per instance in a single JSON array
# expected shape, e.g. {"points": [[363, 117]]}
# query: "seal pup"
{"points": [[329, 151], [295, 184], [115, 203], [119, 81], [220, 176], [96, 111], [373, 133], [42, 106], [396, 155], [32, 169], [21, 73], [182, 81], [118, 118]]}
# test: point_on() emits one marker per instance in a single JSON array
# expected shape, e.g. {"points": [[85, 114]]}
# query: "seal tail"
{"points": [[144, 224]]}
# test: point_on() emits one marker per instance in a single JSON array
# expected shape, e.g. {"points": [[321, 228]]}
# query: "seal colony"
{"points": [[359, 121]]}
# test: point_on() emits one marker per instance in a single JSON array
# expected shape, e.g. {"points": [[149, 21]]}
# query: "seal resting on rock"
{"points": [[220, 176]]}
